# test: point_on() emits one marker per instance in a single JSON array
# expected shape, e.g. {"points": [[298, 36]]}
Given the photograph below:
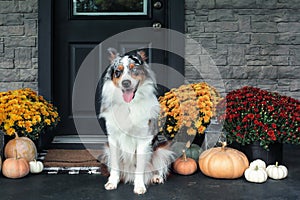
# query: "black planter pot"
{"points": [[41, 143], [2, 143], [199, 139], [255, 151], [44, 140]]}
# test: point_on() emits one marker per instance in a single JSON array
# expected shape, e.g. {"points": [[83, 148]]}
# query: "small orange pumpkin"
{"points": [[223, 162], [184, 165], [15, 167], [23, 145]]}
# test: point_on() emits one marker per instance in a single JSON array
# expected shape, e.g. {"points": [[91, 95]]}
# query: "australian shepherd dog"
{"points": [[130, 108]]}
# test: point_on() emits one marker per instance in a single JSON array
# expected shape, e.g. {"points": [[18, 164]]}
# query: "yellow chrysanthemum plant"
{"points": [[26, 113], [187, 109]]}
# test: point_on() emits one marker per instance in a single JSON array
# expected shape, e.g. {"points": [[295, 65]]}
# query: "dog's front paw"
{"points": [[110, 186], [156, 179], [112, 182], [140, 189]]}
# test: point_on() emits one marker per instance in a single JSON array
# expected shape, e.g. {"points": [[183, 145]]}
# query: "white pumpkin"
{"points": [[259, 163], [256, 175], [277, 171], [36, 166]]}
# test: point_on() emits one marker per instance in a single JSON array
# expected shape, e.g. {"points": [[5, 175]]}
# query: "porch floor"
{"points": [[197, 186]]}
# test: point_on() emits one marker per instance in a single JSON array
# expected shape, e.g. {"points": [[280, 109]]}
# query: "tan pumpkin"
{"points": [[23, 145], [15, 167], [185, 165], [223, 162]]}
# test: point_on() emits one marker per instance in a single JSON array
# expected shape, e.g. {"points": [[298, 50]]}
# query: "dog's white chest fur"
{"points": [[129, 118]]}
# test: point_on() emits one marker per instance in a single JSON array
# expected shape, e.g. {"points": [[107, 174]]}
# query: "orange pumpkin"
{"points": [[223, 162], [23, 145], [184, 165], [15, 167]]}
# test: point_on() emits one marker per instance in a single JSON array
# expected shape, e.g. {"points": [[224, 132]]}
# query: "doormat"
{"points": [[71, 161]]}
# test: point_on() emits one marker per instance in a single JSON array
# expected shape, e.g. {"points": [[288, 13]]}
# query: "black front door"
{"points": [[79, 26]]}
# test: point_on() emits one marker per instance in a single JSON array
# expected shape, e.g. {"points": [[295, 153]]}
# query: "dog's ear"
{"points": [[143, 55], [112, 54]]}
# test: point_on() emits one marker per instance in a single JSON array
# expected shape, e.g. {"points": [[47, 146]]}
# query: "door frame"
{"points": [[45, 42]]}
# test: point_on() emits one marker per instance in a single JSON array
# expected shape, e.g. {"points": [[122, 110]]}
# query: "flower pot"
{"points": [[41, 143], [44, 140], [271, 156], [199, 139], [2, 143]]}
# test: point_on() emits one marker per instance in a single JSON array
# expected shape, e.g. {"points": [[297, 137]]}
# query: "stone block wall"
{"points": [[18, 44], [251, 42]]}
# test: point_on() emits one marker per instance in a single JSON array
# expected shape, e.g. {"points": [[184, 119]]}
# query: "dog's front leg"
{"points": [[141, 160], [114, 177]]}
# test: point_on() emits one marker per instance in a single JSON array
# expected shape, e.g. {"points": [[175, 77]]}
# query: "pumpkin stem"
{"points": [[188, 144], [16, 135], [224, 144], [276, 164], [184, 155], [16, 154], [256, 168]]}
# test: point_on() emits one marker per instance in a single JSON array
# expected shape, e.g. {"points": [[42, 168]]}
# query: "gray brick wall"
{"points": [[252, 42], [18, 44]]}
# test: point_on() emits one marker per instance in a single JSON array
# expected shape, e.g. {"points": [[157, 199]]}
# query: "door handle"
{"points": [[157, 5], [157, 25]]}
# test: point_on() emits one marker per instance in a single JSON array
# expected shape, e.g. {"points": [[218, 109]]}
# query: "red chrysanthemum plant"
{"points": [[251, 114]]}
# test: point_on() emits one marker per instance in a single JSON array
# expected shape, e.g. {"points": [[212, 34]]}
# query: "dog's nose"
{"points": [[126, 83]]}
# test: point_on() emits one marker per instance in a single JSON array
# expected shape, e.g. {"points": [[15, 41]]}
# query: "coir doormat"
{"points": [[73, 161]]}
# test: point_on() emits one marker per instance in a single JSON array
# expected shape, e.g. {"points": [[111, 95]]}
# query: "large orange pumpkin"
{"points": [[23, 145], [223, 162], [15, 167]]}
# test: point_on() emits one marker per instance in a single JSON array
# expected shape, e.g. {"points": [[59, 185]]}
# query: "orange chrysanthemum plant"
{"points": [[26, 113], [187, 109]]}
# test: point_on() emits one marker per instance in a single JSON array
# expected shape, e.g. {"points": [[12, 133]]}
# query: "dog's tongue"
{"points": [[128, 96]]}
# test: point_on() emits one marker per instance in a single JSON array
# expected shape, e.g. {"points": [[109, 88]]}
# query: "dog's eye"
{"points": [[136, 71], [118, 73], [131, 65]]}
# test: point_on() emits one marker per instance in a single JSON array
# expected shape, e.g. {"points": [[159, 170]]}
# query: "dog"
{"points": [[135, 153]]}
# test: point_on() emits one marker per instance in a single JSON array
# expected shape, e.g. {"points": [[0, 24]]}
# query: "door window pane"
{"points": [[109, 7]]}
